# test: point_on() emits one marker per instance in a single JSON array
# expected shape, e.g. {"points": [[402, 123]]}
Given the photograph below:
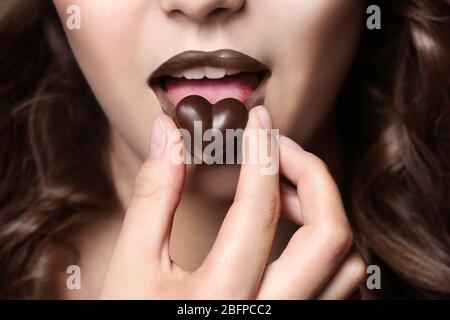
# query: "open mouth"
{"points": [[213, 75]]}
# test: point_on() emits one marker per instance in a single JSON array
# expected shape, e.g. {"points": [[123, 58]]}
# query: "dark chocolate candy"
{"points": [[228, 113]]}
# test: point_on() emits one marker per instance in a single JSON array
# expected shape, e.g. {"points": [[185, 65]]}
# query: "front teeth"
{"points": [[195, 73], [205, 72], [214, 73]]}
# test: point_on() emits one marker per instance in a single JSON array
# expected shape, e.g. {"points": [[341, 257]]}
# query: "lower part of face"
{"points": [[307, 45]]}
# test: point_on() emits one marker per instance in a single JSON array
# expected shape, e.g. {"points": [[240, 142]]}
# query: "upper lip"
{"points": [[224, 58]]}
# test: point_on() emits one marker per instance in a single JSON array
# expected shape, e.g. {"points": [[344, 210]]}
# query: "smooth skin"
{"points": [[179, 235], [315, 264]]}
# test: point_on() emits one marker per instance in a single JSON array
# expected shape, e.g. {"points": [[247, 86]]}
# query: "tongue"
{"points": [[240, 87]]}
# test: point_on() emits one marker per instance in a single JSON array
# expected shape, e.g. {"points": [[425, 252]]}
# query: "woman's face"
{"points": [[306, 45]]}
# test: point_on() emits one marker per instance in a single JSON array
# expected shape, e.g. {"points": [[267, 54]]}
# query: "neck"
{"points": [[325, 144]]}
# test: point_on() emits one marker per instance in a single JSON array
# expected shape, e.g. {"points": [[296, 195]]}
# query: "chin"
{"points": [[216, 182]]}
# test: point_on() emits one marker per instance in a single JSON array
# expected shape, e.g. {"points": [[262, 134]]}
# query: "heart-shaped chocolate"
{"points": [[196, 115]]}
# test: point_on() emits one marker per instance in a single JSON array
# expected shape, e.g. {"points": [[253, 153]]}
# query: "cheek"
{"points": [[105, 42], [106, 49], [308, 26], [315, 46]]}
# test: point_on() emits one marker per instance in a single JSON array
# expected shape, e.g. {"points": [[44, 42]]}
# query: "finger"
{"points": [[346, 279], [317, 248], [290, 205], [240, 252], [316, 188], [158, 187]]}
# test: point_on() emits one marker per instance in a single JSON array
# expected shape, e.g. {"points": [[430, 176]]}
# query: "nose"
{"points": [[200, 10]]}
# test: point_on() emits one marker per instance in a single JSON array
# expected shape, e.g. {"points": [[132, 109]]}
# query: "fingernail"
{"points": [[287, 142], [158, 139], [264, 117]]}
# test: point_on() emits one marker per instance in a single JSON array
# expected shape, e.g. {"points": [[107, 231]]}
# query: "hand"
{"points": [[315, 264]]}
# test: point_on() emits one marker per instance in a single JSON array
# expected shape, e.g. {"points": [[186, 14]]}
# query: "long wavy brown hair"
{"points": [[394, 116]]}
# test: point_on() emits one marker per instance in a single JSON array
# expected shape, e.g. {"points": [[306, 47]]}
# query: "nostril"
{"points": [[175, 13], [217, 12], [211, 15]]}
